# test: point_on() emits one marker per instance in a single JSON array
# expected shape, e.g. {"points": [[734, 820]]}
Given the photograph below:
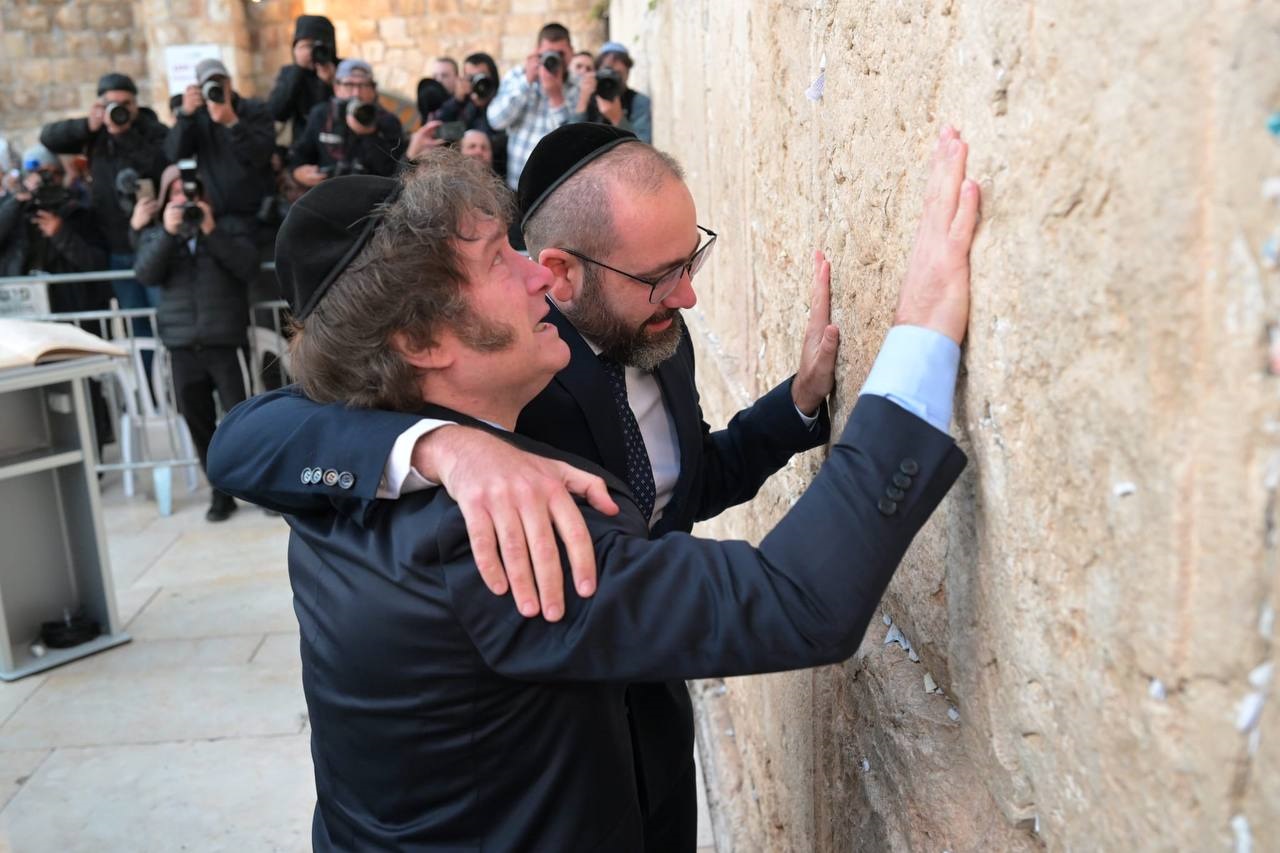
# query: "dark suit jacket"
{"points": [[442, 719], [280, 435]]}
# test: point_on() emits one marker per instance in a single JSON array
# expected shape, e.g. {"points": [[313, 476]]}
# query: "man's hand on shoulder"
{"points": [[515, 503], [935, 291], [816, 377]]}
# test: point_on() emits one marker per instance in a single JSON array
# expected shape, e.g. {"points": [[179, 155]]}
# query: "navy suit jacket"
{"points": [[265, 445], [443, 720]]}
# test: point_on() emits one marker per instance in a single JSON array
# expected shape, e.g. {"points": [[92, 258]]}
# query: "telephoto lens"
{"points": [[608, 84], [552, 61], [322, 54], [483, 86], [363, 113], [118, 113], [192, 214], [214, 91]]}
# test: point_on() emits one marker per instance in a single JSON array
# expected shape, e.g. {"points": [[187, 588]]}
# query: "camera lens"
{"points": [[482, 85], [118, 114], [214, 91], [552, 61], [192, 214], [322, 54], [608, 84], [363, 113]]}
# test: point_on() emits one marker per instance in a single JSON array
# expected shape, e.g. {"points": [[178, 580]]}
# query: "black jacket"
{"points": [[206, 294], [477, 118], [443, 720], [140, 148], [295, 94], [77, 247], [235, 162], [327, 141]]}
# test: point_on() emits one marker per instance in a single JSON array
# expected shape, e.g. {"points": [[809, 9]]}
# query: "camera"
{"points": [[365, 114], [50, 195], [215, 91], [608, 84], [451, 131], [342, 167], [127, 189], [552, 61], [192, 215], [118, 113], [483, 86], [322, 54]]}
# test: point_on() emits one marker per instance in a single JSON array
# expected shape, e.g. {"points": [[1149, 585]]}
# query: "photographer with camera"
{"points": [[232, 139], [604, 97], [536, 99], [125, 146], [473, 92], [349, 135], [44, 227], [309, 80], [203, 265]]}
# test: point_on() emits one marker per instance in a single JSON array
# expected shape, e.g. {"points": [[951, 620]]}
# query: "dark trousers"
{"points": [[197, 373], [672, 825]]}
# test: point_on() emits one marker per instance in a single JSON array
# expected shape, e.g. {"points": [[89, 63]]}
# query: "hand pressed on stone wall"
{"points": [[935, 291], [816, 377]]}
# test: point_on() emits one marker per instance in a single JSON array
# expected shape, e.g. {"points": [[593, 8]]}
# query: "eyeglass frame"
{"points": [[698, 257]]}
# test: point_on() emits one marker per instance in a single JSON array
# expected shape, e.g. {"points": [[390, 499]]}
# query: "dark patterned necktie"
{"points": [[639, 469]]}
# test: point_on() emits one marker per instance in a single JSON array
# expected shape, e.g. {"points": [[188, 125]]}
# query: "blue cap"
{"points": [[38, 157], [347, 67], [615, 47]]}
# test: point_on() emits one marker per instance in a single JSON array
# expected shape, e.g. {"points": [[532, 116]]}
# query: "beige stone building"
{"points": [[1077, 653]]}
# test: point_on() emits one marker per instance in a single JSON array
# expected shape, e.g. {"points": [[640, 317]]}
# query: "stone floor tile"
{"points": [[237, 605], [13, 694], [183, 703], [132, 553], [152, 655], [240, 795], [130, 602], [278, 650], [16, 768], [222, 550]]}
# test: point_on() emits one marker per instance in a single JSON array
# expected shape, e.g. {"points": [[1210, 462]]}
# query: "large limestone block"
{"points": [[1090, 614]]}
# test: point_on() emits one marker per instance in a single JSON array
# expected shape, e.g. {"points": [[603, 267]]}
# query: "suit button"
{"points": [[887, 507], [346, 480], [331, 478], [909, 467], [306, 476], [316, 476], [894, 494], [902, 481]]}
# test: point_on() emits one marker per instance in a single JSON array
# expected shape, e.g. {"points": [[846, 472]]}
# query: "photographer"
{"points": [[536, 99], [203, 266], [309, 80], [125, 145], [474, 91], [231, 137], [46, 228], [604, 97], [350, 134]]}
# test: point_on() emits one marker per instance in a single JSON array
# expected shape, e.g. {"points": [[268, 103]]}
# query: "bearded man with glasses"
{"points": [[614, 222]]}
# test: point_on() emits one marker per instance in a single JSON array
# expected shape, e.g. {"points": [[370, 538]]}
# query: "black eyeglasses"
{"points": [[662, 286]]}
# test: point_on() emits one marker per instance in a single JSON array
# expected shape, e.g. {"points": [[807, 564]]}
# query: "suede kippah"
{"points": [[323, 233], [560, 155]]}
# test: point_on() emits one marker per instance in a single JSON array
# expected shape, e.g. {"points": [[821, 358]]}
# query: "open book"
{"points": [[27, 342]]}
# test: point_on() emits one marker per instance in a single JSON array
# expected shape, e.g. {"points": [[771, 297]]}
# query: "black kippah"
{"points": [[560, 155], [323, 233], [115, 82]]}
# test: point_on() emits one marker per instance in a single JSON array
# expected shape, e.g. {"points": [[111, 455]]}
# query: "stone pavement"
{"points": [[194, 736]]}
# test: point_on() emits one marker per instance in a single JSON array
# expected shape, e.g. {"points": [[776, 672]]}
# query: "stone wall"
{"points": [[1095, 600], [52, 53]]}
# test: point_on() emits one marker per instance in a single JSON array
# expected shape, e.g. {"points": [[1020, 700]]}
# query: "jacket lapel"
{"points": [[585, 381]]}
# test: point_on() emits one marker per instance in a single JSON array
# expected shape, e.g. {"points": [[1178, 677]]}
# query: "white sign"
{"points": [[23, 300], [180, 63]]}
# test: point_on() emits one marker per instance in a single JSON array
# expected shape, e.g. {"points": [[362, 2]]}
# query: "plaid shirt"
{"points": [[522, 110]]}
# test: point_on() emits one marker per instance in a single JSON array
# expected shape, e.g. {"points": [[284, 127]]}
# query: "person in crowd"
{"points": [[475, 145], [605, 97], [535, 99], [615, 223], [46, 227], [408, 298], [231, 137], [474, 91], [125, 145], [582, 64], [350, 133], [445, 69], [308, 81], [203, 263]]}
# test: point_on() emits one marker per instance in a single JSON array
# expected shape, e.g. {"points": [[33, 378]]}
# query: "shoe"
{"points": [[221, 507]]}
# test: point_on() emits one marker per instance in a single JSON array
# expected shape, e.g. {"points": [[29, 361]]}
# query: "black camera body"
{"points": [[51, 195], [193, 189], [118, 113], [322, 54], [483, 86], [608, 84], [364, 114], [552, 61], [214, 91]]}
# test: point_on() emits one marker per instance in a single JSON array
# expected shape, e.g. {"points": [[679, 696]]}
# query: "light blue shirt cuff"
{"points": [[808, 420], [916, 369]]}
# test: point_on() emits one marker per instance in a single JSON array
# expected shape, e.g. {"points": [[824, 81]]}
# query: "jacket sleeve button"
{"points": [[902, 481], [894, 494], [887, 507], [909, 466]]}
